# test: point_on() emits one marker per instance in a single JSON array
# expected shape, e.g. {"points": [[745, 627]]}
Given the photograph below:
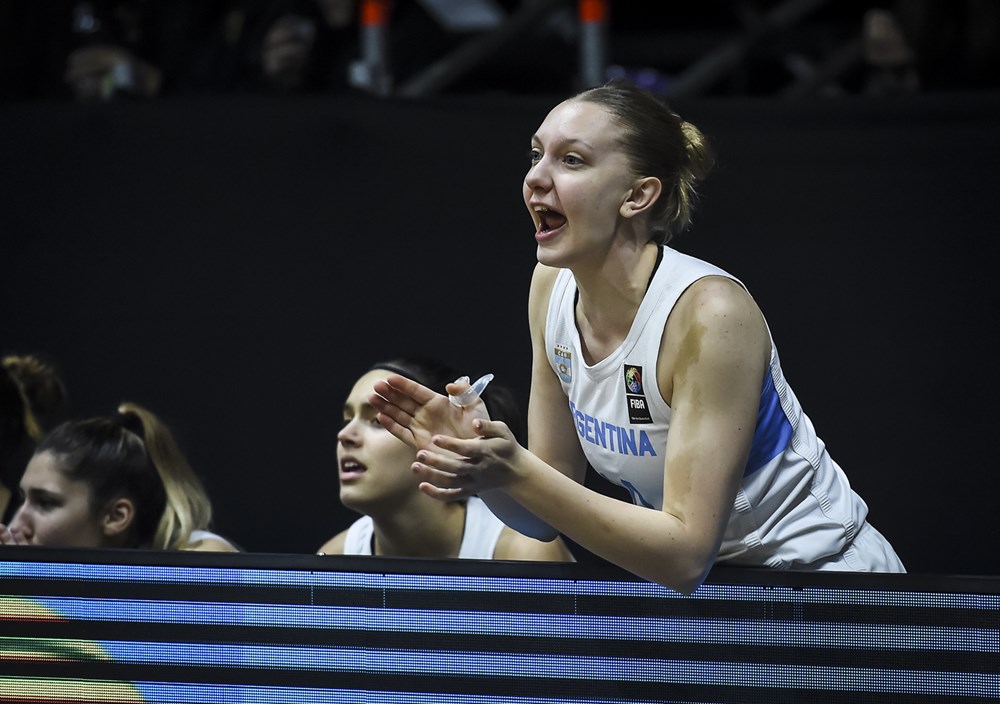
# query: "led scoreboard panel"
{"points": [[135, 626]]}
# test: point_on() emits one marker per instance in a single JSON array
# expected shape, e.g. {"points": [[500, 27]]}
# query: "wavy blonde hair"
{"points": [[188, 507]]}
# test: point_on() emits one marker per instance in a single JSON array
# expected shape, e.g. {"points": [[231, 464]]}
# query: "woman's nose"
{"points": [[21, 522], [538, 175], [534, 178], [348, 435]]}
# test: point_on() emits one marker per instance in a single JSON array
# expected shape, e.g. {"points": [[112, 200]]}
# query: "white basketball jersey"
{"points": [[794, 506], [482, 531]]}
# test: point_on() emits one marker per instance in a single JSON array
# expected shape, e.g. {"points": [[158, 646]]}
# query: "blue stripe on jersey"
{"points": [[773, 431]]}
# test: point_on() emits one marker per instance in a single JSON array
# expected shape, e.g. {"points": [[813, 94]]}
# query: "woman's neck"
{"points": [[435, 532], [609, 297]]}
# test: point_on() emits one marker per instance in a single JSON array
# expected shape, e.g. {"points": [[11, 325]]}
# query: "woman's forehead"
{"points": [[44, 471], [580, 120], [364, 386]]}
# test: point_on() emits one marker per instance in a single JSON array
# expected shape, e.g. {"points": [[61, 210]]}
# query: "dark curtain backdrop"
{"points": [[234, 264]]}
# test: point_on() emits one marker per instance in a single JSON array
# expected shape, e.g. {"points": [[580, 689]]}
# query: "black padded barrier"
{"points": [[120, 626]]}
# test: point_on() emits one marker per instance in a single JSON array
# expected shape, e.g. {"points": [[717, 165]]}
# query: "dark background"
{"points": [[232, 251], [234, 263]]}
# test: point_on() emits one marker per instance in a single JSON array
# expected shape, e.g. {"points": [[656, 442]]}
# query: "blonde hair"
{"points": [[188, 507], [695, 167], [658, 143]]}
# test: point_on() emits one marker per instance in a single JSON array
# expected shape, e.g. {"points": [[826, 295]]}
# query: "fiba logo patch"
{"points": [[633, 379], [635, 398], [563, 360]]}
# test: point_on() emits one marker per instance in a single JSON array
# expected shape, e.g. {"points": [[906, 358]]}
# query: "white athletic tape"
{"points": [[471, 394]]}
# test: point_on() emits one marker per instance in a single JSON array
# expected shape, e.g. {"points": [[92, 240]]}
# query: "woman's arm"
{"points": [[718, 349], [551, 433]]}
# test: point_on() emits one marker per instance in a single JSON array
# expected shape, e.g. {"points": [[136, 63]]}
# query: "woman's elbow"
{"points": [[685, 575], [544, 533], [688, 586]]}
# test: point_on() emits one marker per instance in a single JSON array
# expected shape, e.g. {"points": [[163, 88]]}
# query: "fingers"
{"points": [[460, 448], [9, 537], [401, 398], [485, 430], [405, 393], [452, 465], [386, 399], [438, 483], [444, 494], [439, 477], [458, 387], [460, 456], [391, 411], [441, 485], [400, 430]]}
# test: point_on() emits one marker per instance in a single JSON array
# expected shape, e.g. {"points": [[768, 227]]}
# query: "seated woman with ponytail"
{"points": [[113, 482]]}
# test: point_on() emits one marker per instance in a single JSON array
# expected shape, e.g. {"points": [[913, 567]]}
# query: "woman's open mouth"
{"points": [[549, 222], [351, 469]]}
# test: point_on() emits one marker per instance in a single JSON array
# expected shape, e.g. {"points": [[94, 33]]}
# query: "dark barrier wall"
{"points": [[235, 263], [194, 628]]}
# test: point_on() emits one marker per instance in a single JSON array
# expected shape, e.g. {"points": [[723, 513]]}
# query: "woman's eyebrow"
{"points": [[567, 142], [40, 492], [361, 409]]}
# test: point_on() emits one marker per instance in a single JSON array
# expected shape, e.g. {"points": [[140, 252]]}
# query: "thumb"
{"points": [[458, 386], [487, 429]]}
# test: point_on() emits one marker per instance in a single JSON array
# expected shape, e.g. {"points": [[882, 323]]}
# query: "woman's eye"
{"points": [[534, 156], [573, 160]]}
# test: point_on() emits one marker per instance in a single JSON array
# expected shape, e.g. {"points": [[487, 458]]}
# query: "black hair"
{"points": [[111, 459], [435, 374]]}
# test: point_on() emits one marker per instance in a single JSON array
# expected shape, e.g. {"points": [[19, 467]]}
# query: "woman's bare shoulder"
{"points": [[335, 545]]}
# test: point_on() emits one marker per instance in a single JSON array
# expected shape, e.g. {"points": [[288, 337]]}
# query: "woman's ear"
{"points": [[118, 518], [645, 192]]}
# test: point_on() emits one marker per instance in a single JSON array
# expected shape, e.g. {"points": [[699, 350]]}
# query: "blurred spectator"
{"points": [[311, 46], [99, 50], [103, 62], [33, 399], [107, 49], [933, 45], [137, 48], [889, 56]]}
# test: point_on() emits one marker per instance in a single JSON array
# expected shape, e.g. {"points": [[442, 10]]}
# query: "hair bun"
{"points": [[129, 420]]}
